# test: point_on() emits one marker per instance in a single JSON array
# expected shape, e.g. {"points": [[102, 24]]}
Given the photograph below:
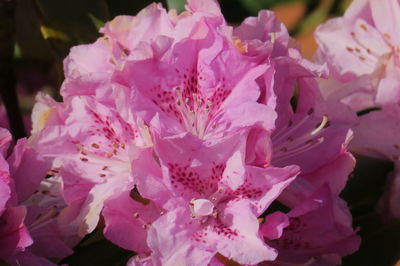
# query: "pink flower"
{"points": [[211, 202], [93, 138], [368, 49], [315, 231], [202, 94], [14, 236], [127, 37], [212, 93], [92, 146], [178, 130]]}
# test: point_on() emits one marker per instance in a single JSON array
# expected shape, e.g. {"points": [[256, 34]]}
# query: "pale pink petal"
{"points": [[87, 59], [359, 9], [206, 6], [358, 94], [359, 50], [147, 25], [388, 91], [265, 28], [386, 15]]}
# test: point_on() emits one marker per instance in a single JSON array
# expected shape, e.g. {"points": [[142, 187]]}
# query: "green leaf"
{"points": [[96, 22], [49, 33], [179, 5], [316, 17], [17, 51]]}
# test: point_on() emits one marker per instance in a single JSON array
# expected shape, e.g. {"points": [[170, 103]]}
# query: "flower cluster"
{"points": [[188, 142]]}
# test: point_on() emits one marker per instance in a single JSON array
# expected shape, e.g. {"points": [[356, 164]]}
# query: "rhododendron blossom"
{"points": [[178, 132]]}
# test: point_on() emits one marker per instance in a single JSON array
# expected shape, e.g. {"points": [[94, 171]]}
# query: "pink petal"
{"points": [[386, 15], [127, 222], [14, 235], [247, 248], [27, 168], [274, 224], [376, 135]]}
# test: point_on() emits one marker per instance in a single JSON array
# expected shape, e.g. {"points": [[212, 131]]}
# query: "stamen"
{"points": [[290, 153], [95, 145], [194, 111], [281, 137], [93, 155], [294, 146], [321, 126], [363, 46], [273, 37], [305, 137]]}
